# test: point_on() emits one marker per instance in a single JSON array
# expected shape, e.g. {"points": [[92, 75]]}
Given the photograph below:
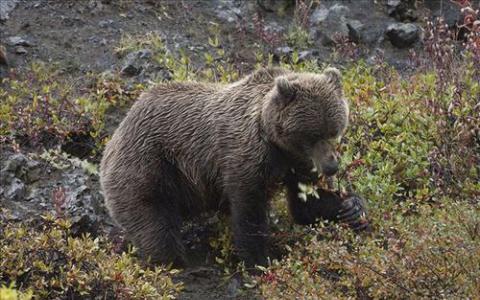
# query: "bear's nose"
{"points": [[330, 170]]}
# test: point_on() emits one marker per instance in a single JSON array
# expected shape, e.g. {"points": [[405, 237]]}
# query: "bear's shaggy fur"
{"points": [[187, 147]]}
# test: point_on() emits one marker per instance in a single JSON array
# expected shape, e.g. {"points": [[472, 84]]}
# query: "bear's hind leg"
{"points": [[156, 232], [147, 206]]}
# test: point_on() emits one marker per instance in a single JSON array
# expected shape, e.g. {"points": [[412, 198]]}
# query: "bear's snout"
{"points": [[330, 169]]}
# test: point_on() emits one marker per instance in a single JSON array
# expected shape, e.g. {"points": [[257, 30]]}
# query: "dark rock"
{"points": [[18, 41], [448, 10], [162, 74], [135, 62], [83, 224], [274, 5], [327, 23], [355, 29], [372, 35], [402, 35], [131, 68], [78, 144], [402, 10], [16, 191]]}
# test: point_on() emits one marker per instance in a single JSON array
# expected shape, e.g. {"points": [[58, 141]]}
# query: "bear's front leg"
{"points": [[329, 206], [249, 223]]}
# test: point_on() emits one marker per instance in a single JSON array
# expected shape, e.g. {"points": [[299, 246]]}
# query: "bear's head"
{"points": [[305, 114]]}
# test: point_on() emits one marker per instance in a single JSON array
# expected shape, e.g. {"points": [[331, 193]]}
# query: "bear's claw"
{"points": [[353, 213]]}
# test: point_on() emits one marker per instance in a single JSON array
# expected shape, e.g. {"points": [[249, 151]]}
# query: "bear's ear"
{"points": [[286, 89], [334, 75]]}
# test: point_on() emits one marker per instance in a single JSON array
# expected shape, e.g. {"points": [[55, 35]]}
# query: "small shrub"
{"points": [[39, 106], [43, 107], [269, 38], [44, 259], [432, 255], [130, 43], [10, 293], [298, 37]]}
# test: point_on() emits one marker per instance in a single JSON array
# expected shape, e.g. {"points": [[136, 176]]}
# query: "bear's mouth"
{"points": [[324, 158]]}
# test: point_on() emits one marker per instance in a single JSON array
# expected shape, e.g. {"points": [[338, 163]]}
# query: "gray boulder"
{"points": [[327, 22], [16, 190], [135, 62], [448, 10], [6, 7], [403, 35], [18, 41]]}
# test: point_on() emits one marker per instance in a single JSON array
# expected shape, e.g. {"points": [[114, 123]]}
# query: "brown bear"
{"points": [[187, 147]]}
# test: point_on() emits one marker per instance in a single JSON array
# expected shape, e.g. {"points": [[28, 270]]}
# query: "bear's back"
{"points": [[193, 123]]}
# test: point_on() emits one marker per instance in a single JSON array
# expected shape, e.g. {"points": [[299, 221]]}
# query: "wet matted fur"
{"points": [[187, 147]]}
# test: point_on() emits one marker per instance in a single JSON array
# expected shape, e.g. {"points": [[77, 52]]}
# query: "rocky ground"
{"points": [[81, 37]]}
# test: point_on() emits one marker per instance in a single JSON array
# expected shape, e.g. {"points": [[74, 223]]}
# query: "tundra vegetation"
{"points": [[412, 151]]}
